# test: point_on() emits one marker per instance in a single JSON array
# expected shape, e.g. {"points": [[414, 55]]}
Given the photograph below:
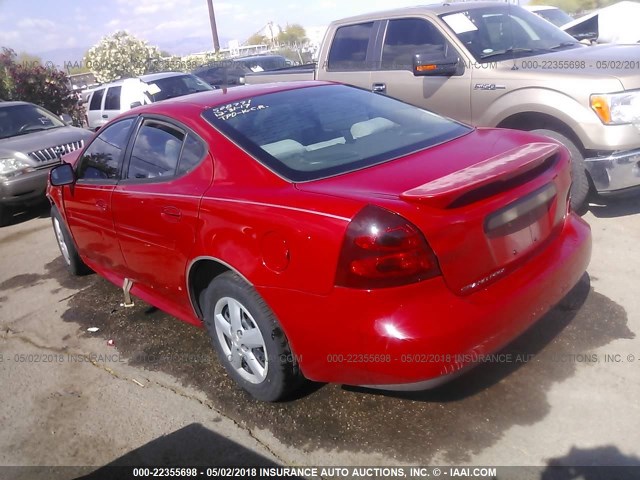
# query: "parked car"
{"points": [[551, 14], [112, 99], [32, 139], [322, 231], [226, 73], [617, 23], [493, 64], [230, 73], [264, 63]]}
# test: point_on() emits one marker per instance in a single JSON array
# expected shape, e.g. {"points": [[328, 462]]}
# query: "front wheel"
{"points": [[6, 215], [72, 260], [248, 339], [580, 181]]}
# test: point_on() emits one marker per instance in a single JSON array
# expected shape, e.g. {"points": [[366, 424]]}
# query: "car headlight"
{"points": [[617, 108], [13, 166]]}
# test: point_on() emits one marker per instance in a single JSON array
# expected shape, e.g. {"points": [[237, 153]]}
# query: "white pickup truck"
{"points": [[497, 65]]}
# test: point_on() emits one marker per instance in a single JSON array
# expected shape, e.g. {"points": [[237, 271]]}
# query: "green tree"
{"points": [[257, 39], [28, 59], [31, 82], [293, 35], [122, 55], [574, 6], [7, 60]]}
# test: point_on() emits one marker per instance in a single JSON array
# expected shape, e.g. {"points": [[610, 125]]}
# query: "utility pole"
{"points": [[214, 29]]}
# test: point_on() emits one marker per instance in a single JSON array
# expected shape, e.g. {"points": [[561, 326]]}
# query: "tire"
{"points": [[6, 215], [72, 260], [577, 296], [580, 185], [265, 367]]}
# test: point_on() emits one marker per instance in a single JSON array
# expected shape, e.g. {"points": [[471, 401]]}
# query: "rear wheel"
{"points": [[580, 180], [72, 260], [248, 339]]}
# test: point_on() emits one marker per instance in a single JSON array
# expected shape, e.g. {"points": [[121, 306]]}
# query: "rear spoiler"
{"points": [[445, 190]]}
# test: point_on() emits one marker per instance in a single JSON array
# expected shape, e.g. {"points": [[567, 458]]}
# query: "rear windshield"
{"points": [[175, 86], [316, 132]]}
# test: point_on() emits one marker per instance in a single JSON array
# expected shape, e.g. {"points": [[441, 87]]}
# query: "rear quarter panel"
{"points": [[266, 229]]}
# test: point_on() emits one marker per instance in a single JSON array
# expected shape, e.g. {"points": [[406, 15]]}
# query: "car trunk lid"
{"points": [[503, 202]]}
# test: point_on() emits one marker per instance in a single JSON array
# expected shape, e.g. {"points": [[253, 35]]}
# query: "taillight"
{"points": [[383, 249]]}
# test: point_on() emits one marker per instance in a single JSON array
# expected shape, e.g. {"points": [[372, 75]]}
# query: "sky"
{"points": [[62, 30]]}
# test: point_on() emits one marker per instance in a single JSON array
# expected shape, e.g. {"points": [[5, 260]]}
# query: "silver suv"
{"points": [[32, 139]]}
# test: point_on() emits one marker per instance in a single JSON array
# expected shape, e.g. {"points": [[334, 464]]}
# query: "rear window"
{"points": [[176, 86], [316, 132], [96, 99], [112, 100]]}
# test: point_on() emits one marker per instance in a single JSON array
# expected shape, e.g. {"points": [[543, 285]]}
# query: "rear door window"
{"points": [[156, 151], [112, 101], [96, 100], [192, 152], [349, 47], [162, 150]]}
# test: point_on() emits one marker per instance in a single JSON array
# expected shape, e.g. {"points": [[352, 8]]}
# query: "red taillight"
{"points": [[383, 249]]}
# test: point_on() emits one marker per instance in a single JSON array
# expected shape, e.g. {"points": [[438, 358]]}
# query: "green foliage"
{"points": [[31, 82], [297, 56], [293, 35], [25, 58], [575, 6], [122, 55], [80, 68], [7, 59], [257, 39]]}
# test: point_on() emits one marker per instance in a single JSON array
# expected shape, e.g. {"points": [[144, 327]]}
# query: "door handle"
{"points": [[171, 214], [102, 205], [379, 88], [105, 116]]}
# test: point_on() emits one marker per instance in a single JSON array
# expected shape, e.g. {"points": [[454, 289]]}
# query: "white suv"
{"points": [[110, 100]]}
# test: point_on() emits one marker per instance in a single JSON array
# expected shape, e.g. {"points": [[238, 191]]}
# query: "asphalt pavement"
{"points": [[146, 388]]}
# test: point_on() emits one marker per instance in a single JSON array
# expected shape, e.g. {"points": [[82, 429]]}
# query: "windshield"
{"points": [[555, 16], [503, 32], [315, 132], [176, 86], [23, 119], [261, 64]]}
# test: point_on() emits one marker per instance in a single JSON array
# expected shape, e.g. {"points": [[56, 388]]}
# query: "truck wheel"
{"points": [[248, 339], [72, 260], [580, 180]]}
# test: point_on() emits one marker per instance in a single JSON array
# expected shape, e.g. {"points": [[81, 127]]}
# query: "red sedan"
{"points": [[324, 232]]}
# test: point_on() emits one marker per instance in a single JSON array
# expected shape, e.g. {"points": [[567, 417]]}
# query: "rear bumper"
{"points": [[618, 172], [24, 189], [420, 335]]}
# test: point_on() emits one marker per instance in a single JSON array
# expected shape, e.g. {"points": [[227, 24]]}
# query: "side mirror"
{"points": [[62, 174], [66, 118], [434, 65], [135, 104]]}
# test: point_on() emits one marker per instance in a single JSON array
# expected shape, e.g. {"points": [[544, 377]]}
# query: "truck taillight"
{"points": [[383, 249]]}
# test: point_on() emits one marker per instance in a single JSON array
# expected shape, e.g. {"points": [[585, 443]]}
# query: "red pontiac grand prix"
{"points": [[324, 232]]}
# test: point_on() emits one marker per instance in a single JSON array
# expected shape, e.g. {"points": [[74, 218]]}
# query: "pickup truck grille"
{"points": [[52, 154]]}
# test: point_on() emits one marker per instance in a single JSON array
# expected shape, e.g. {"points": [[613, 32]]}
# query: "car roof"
{"points": [[14, 103], [258, 57], [435, 9], [152, 77], [539, 8]]}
